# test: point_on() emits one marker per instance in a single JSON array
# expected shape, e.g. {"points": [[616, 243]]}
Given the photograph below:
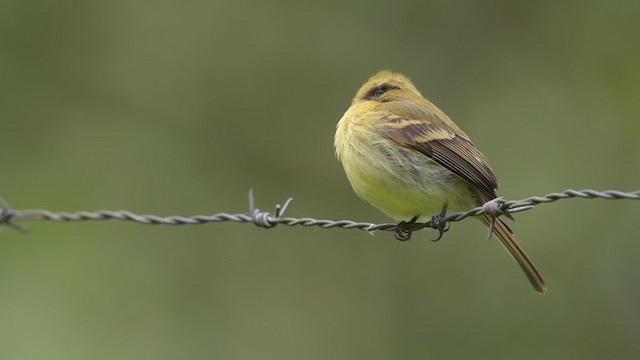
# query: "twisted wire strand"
{"points": [[265, 219]]}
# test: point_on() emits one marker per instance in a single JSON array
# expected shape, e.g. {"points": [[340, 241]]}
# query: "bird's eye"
{"points": [[376, 92]]}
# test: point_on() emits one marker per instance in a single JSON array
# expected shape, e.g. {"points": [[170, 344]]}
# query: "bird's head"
{"points": [[386, 86]]}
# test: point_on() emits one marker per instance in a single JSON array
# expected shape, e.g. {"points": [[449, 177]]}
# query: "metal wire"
{"points": [[265, 219]]}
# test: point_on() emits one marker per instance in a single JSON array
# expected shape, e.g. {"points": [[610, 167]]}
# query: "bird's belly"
{"points": [[404, 183]]}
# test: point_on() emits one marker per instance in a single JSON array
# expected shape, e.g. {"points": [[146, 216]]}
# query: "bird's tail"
{"points": [[508, 240]]}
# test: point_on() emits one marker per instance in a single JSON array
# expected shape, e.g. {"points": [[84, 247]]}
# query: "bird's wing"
{"points": [[449, 149]]}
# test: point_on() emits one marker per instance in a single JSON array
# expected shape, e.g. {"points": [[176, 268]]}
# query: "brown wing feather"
{"points": [[455, 152]]}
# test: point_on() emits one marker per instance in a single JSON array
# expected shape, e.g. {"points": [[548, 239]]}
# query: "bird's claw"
{"points": [[440, 223], [403, 229]]}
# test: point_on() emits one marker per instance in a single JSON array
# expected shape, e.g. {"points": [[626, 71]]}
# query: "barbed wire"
{"points": [[495, 208]]}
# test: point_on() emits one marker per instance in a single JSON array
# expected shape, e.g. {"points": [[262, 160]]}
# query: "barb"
{"points": [[6, 216], [495, 208]]}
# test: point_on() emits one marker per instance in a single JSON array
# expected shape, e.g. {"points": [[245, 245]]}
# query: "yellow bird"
{"points": [[407, 158]]}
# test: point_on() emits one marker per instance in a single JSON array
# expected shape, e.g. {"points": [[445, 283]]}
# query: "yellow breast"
{"points": [[397, 180]]}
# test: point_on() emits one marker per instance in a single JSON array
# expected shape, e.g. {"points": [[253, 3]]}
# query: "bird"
{"points": [[406, 157]]}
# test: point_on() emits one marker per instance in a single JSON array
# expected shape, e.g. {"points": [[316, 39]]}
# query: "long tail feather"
{"points": [[508, 240]]}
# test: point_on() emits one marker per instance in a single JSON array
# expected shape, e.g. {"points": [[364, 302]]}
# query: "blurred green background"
{"points": [[171, 107]]}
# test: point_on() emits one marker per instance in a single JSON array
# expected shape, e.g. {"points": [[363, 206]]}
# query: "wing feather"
{"points": [[453, 151]]}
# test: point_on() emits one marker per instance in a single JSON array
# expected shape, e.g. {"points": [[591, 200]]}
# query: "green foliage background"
{"points": [[172, 107]]}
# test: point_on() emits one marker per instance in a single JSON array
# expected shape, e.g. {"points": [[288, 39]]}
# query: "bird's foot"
{"points": [[439, 222], [403, 229]]}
